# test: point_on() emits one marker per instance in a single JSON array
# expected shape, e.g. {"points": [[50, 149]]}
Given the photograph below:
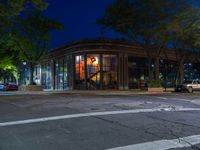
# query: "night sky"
{"points": [[79, 19]]}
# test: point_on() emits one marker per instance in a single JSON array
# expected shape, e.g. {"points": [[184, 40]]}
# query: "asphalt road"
{"points": [[77, 122]]}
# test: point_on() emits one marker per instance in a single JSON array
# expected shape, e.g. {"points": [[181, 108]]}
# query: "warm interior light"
{"points": [[93, 59]]}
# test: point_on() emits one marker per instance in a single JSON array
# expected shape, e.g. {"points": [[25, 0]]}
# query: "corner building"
{"points": [[102, 65]]}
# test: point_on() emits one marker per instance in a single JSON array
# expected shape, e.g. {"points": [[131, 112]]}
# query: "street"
{"points": [[100, 122]]}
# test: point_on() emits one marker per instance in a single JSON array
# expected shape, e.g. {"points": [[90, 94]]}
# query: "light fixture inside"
{"points": [[93, 59]]}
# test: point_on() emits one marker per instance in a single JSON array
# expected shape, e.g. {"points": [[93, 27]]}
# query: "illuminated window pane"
{"points": [[109, 72], [79, 72], [93, 71], [46, 76]]}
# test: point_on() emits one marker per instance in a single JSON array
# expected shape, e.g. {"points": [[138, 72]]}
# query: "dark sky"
{"points": [[79, 18]]}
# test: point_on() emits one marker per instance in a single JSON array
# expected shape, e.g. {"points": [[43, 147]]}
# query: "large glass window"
{"points": [[59, 74], [79, 72], [66, 72], [137, 72], [191, 71], [109, 71], [97, 76], [46, 76], [93, 71], [37, 74], [168, 73]]}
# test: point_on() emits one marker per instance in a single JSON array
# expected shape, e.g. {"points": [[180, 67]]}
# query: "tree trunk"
{"points": [[157, 69], [180, 72], [32, 66], [16, 80], [150, 73]]}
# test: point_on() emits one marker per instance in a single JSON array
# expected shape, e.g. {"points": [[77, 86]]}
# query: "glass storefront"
{"points": [[58, 64], [168, 73], [109, 72], [100, 71], [66, 73], [98, 76], [37, 74], [79, 72], [93, 71], [137, 72], [61, 78], [47, 76], [191, 71]]}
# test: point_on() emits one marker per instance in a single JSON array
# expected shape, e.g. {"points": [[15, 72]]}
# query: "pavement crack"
{"points": [[128, 127], [169, 121], [114, 122], [194, 147], [151, 133]]}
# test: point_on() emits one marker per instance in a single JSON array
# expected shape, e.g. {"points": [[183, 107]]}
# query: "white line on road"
{"points": [[182, 99], [11, 123], [163, 144], [162, 98]]}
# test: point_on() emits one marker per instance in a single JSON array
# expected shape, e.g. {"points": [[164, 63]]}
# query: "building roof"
{"points": [[105, 45], [93, 41]]}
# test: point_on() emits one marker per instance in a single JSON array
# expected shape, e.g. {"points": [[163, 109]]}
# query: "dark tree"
{"points": [[9, 11], [32, 37], [145, 22], [184, 37]]}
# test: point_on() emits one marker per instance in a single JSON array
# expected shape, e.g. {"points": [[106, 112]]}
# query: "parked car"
{"points": [[2, 85], [189, 85], [10, 87]]}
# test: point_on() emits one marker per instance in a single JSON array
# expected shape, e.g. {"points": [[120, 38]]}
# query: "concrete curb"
{"points": [[87, 92]]}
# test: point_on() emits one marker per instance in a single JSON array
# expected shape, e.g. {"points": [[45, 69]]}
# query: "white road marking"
{"points": [[163, 144], [162, 98], [182, 99], [45, 119]]}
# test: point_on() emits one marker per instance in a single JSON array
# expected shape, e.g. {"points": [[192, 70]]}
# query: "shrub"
{"points": [[154, 84]]}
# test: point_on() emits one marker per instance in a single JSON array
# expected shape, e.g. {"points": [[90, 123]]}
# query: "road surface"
{"points": [[77, 122]]}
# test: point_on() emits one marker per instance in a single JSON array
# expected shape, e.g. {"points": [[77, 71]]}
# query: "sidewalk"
{"points": [[110, 92], [85, 92]]}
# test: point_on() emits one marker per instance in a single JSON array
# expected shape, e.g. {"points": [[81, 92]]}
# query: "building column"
{"points": [[52, 65], [101, 72], [72, 72], [181, 72], [125, 70], [85, 67], [120, 72], [42, 65], [63, 72]]}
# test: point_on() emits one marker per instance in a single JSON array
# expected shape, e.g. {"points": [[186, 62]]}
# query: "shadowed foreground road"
{"points": [[64, 122]]}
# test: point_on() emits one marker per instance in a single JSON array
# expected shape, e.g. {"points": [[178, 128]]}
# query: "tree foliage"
{"points": [[155, 25], [32, 36], [9, 11], [25, 31], [143, 21], [7, 67]]}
